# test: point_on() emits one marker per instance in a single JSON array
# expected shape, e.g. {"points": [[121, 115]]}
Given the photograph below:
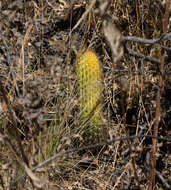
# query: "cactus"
{"points": [[90, 85]]}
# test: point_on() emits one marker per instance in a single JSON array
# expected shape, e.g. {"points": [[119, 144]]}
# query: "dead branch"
{"points": [[140, 55], [157, 111], [89, 147], [165, 36]]}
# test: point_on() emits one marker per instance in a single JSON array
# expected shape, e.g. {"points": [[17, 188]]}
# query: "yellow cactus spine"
{"points": [[90, 85]]}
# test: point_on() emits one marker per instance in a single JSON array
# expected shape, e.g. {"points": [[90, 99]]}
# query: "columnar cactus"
{"points": [[90, 85]]}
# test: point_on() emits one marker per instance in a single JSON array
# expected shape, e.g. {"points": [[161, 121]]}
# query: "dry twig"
{"points": [[151, 184], [86, 148]]}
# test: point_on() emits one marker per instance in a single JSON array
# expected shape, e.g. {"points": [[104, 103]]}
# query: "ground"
{"points": [[40, 116]]}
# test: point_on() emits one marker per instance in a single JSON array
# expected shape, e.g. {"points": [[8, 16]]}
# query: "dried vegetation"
{"points": [[39, 112]]}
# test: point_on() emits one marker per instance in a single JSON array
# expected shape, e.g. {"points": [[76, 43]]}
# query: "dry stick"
{"points": [[151, 184], [140, 55], [3, 92], [83, 16], [164, 36], [11, 116], [136, 71], [133, 165], [38, 182], [86, 148], [162, 179], [10, 64], [148, 41], [129, 145], [26, 38]]}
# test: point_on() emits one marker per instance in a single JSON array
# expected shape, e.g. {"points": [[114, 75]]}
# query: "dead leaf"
{"points": [[113, 37]]}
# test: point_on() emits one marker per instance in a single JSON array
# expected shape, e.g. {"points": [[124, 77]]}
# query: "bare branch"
{"points": [[140, 55], [164, 36], [148, 41], [90, 147]]}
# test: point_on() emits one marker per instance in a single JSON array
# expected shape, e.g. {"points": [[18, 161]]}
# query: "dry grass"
{"points": [[39, 112]]}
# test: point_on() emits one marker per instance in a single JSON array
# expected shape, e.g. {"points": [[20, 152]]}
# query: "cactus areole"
{"points": [[90, 87]]}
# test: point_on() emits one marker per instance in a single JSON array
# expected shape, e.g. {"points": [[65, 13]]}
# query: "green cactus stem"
{"points": [[90, 85]]}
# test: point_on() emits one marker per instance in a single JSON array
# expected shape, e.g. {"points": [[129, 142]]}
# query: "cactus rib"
{"points": [[90, 84]]}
